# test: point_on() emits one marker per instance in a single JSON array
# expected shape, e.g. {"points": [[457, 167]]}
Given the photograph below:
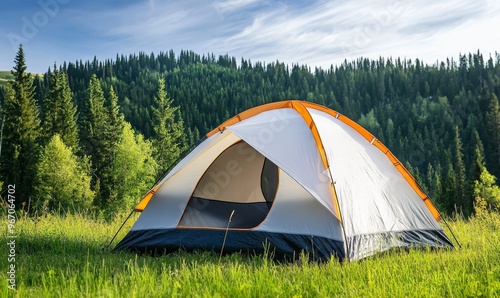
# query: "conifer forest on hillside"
{"points": [[98, 134]]}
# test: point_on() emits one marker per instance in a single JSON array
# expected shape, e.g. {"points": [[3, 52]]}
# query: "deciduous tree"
{"points": [[133, 168], [62, 179]]}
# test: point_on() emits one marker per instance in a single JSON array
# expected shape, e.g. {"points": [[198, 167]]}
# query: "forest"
{"points": [[98, 134]]}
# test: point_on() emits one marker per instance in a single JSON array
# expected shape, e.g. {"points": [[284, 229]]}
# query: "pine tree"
{"points": [[459, 168], [60, 111], [369, 122], [169, 141], [21, 134], [447, 197], [93, 137], [435, 181], [95, 119], [115, 123], [102, 134], [389, 140], [493, 124], [116, 119], [113, 131], [430, 178], [478, 145], [193, 136], [2, 124], [477, 166]]}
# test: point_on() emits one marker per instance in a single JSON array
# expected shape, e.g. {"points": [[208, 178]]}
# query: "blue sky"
{"points": [[318, 33]]}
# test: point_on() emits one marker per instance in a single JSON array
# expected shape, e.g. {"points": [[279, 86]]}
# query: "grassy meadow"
{"points": [[66, 256], [5, 76]]}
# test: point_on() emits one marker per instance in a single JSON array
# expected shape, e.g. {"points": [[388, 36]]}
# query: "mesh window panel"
{"points": [[269, 180]]}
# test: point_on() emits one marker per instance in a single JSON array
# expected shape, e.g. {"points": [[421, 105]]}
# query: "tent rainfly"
{"points": [[287, 177]]}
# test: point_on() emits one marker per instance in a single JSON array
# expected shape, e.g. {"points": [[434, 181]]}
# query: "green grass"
{"points": [[65, 256], [5, 76]]}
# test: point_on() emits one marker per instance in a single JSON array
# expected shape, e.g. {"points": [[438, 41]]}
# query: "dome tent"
{"points": [[292, 176]]}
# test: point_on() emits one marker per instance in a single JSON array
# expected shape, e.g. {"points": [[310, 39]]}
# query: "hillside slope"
{"points": [[5, 76]]}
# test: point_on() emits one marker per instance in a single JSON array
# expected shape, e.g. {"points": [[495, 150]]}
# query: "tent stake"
{"points": [[109, 245]]}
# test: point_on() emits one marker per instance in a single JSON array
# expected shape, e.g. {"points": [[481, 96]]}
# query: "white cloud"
{"points": [[223, 7], [317, 33], [331, 31]]}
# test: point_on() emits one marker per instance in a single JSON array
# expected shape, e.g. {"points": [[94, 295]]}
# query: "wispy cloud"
{"points": [[224, 7], [318, 33], [153, 25], [331, 31]]}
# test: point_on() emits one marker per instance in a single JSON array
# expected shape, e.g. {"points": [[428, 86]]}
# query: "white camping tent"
{"points": [[295, 175]]}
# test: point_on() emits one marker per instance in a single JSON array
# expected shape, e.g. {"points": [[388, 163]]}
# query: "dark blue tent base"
{"points": [[361, 246], [278, 245]]}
